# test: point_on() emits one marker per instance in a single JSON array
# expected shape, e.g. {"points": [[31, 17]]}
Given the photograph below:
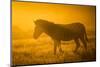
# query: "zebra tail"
{"points": [[86, 36]]}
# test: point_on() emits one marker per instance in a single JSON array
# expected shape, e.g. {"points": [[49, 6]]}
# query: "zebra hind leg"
{"points": [[84, 43], [77, 45]]}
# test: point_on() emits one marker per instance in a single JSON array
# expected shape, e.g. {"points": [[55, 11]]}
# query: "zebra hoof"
{"points": [[62, 51]]}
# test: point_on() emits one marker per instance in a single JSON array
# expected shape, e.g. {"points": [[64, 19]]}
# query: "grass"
{"points": [[30, 51]]}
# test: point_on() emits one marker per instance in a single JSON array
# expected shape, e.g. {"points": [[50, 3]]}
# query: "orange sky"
{"points": [[24, 13]]}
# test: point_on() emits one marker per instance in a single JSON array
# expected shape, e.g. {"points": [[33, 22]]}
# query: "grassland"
{"points": [[30, 51]]}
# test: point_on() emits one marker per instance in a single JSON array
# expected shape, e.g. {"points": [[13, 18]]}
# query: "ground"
{"points": [[40, 51]]}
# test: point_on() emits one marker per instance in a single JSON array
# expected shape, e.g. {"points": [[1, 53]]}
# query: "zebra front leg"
{"points": [[55, 48], [60, 49], [56, 43]]}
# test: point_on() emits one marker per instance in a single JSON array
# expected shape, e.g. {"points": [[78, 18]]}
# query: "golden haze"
{"points": [[26, 50]]}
